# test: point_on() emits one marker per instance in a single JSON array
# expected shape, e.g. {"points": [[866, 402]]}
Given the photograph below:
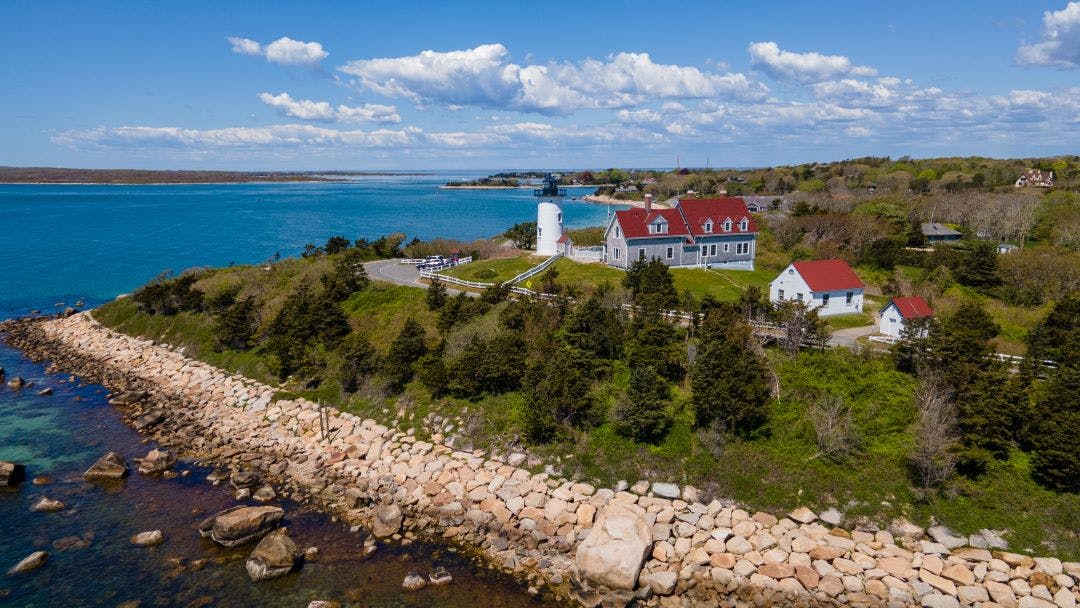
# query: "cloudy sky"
{"points": [[505, 84]]}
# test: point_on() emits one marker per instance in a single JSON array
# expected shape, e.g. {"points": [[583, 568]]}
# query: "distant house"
{"points": [[627, 188], [758, 204], [693, 232], [1036, 177], [829, 286], [900, 311], [939, 233], [1006, 248]]}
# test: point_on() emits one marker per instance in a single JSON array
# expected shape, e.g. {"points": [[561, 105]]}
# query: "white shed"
{"points": [[899, 311]]}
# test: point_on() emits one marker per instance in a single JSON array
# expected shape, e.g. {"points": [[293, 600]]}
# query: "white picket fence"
{"points": [[535, 270]]}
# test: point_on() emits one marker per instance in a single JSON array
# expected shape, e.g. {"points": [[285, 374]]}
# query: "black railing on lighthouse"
{"points": [[551, 188]]}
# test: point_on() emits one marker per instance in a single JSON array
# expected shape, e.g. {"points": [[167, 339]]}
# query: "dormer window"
{"points": [[708, 226], [743, 225], [727, 225], [658, 227]]}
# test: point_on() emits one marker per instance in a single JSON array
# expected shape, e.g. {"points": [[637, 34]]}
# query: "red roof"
{"points": [[563, 239], [698, 210], [913, 307], [635, 222], [828, 275]]}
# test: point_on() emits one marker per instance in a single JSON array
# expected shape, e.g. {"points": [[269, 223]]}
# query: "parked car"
{"points": [[432, 261]]}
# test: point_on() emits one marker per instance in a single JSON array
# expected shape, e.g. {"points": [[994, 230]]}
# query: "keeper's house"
{"points": [[829, 286], [717, 232]]}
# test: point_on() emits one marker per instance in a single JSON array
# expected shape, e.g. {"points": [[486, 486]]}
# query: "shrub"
{"points": [[642, 413]]}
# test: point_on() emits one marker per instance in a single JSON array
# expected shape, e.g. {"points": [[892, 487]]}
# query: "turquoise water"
{"points": [[63, 243], [60, 243]]}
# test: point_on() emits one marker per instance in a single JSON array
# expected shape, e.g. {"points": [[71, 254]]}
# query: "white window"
{"points": [[670, 253], [743, 225], [539, 231], [727, 225], [798, 297], [825, 300], [727, 247], [618, 232], [780, 294], [641, 253], [850, 296], [742, 248], [791, 271], [616, 252], [712, 250], [560, 218], [708, 226]]}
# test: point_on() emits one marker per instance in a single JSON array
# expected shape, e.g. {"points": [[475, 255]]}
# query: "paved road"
{"points": [[393, 271]]}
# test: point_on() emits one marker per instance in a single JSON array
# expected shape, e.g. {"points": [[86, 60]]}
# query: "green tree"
{"points": [[728, 380], [236, 326], [347, 276], [1056, 436], [981, 269], [522, 234], [405, 350], [656, 343], [642, 413], [336, 244], [488, 366], [436, 294], [557, 393], [1057, 336], [652, 286], [304, 322], [358, 360], [595, 328]]}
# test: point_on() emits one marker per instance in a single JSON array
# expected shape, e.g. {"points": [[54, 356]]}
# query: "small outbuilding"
{"points": [[939, 233], [1006, 248], [900, 311], [829, 286]]}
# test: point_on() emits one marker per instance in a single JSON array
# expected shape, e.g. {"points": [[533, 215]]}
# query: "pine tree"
{"points": [[728, 378], [436, 294], [557, 393], [358, 361], [236, 326], [405, 350], [642, 413], [1056, 436]]}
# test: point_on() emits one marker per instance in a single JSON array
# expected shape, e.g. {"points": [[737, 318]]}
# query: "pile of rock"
{"points": [[643, 541]]}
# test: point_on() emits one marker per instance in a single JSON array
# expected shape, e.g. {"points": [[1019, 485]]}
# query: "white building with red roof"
{"points": [[829, 286], [716, 232], [899, 311]]}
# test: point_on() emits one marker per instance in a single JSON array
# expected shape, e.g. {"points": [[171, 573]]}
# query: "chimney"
{"points": [[648, 202]]}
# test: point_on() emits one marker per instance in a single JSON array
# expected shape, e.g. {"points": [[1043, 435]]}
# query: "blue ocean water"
{"points": [[65, 242]]}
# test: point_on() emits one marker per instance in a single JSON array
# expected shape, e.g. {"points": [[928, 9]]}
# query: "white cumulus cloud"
{"points": [[1060, 44], [484, 76], [804, 68], [284, 50], [306, 109]]}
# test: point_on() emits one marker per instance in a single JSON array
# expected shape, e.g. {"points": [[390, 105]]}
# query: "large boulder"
{"points": [[33, 561], [244, 478], [47, 505], [16, 383], [613, 552], [240, 525], [387, 522], [275, 555], [109, 466], [11, 474], [157, 462]]}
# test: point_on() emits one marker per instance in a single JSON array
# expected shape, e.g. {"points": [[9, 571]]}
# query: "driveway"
{"points": [[848, 337]]}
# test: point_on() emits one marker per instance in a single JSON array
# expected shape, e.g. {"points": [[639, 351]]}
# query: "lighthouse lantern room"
{"points": [[549, 220]]}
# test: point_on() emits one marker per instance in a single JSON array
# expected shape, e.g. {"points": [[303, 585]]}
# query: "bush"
{"points": [[236, 326], [359, 360], [169, 296], [406, 349]]}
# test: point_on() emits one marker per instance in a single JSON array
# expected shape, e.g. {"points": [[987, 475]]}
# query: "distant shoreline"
{"points": [[151, 177], [604, 199]]}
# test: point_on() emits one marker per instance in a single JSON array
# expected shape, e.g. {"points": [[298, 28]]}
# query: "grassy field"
{"points": [[776, 469]]}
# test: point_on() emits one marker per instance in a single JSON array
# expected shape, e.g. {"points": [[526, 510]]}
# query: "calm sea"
{"points": [[64, 243]]}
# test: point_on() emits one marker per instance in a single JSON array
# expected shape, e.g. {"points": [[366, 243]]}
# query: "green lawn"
{"points": [[494, 270], [861, 319]]}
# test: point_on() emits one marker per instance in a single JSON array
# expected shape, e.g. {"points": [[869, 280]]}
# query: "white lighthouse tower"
{"points": [[549, 216]]}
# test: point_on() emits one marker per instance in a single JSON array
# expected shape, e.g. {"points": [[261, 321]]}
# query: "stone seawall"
{"points": [[655, 544]]}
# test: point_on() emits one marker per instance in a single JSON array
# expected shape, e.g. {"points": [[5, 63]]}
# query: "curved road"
{"points": [[393, 271]]}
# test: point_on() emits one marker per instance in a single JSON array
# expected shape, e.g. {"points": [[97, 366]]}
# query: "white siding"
{"points": [[891, 321], [791, 283]]}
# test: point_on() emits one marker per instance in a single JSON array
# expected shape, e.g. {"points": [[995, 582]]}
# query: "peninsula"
{"points": [[60, 175]]}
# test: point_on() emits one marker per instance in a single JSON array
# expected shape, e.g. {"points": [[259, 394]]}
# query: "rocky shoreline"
{"points": [[656, 544]]}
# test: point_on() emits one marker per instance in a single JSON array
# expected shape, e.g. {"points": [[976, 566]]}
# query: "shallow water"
{"points": [[61, 435]]}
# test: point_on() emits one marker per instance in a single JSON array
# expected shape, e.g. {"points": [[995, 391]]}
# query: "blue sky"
{"points": [[383, 85]]}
